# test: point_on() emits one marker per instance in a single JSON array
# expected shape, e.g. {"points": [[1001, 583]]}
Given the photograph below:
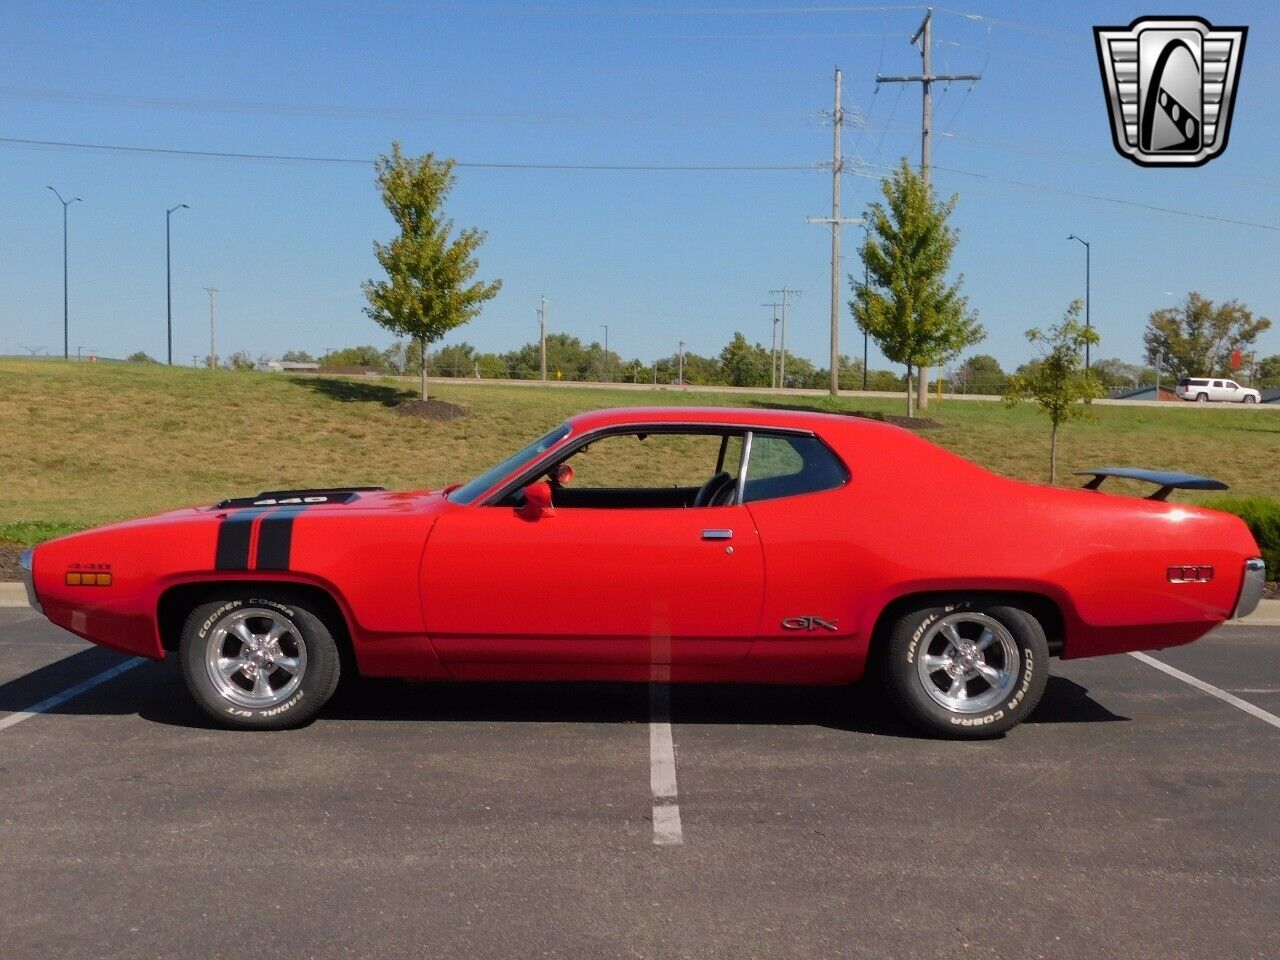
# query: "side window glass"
{"points": [[651, 461], [786, 466], [1217, 383]]}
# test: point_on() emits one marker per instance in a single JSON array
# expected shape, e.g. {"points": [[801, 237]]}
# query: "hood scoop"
{"points": [[297, 498]]}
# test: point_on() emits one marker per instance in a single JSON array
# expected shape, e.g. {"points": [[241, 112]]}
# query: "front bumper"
{"points": [[1255, 578], [28, 580]]}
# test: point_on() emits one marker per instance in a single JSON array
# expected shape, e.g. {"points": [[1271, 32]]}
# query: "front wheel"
{"points": [[1250, 398], [966, 669], [257, 662]]}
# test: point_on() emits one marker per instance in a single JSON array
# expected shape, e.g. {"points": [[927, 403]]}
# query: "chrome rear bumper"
{"points": [[1255, 578], [28, 581]]}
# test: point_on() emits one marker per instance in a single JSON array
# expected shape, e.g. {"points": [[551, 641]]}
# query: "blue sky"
{"points": [[659, 256]]}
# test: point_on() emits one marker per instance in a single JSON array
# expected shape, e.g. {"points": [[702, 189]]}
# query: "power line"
{"points": [[862, 169], [1047, 188], [299, 158]]}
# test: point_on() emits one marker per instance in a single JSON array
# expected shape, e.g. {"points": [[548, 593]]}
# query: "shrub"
{"points": [[1262, 516]]}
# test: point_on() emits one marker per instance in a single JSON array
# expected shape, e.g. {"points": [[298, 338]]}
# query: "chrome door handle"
{"points": [[717, 534]]}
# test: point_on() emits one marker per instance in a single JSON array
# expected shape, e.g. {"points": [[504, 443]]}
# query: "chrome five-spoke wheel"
{"points": [[255, 658], [968, 662]]}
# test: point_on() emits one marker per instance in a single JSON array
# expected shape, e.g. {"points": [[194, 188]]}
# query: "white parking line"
{"points": [[58, 698], [1210, 689], [667, 830]]}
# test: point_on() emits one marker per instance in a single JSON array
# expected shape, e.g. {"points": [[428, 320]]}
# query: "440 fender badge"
{"points": [[808, 623]]}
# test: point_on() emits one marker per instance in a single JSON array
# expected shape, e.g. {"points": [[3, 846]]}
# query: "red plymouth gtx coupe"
{"points": [[668, 544]]}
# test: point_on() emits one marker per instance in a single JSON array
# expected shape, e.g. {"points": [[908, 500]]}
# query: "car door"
{"points": [[589, 585], [795, 490], [1218, 391]]}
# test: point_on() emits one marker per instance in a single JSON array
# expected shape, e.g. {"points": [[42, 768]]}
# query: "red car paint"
{"points": [[432, 588]]}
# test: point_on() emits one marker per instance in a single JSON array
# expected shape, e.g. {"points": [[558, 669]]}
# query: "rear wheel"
{"points": [[1202, 398], [966, 669], [258, 662]]}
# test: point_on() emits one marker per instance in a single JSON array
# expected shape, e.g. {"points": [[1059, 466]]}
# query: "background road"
{"points": [[1135, 816]]}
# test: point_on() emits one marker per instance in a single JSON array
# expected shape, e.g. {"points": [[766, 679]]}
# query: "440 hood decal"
{"points": [[261, 527]]}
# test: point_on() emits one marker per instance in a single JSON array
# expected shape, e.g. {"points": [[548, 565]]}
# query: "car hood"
{"points": [[347, 501]]}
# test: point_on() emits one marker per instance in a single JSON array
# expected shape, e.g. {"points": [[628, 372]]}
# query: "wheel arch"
{"points": [[177, 601], [1040, 605]]}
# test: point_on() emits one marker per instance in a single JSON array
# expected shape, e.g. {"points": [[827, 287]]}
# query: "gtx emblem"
{"points": [[808, 623], [1170, 84]]}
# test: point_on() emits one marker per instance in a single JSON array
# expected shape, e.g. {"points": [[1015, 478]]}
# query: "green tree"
{"points": [[1197, 338], [140, 356], [980, 373], [240, 360], [362, 356], [430, 287], [297, 356], [908, 307], [1056, 381], [744, 364], [455, 360], [1269, 371]]}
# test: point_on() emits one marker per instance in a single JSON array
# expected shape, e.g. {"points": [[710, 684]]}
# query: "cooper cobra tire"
{"points": [[258, 661], [967, 669]]}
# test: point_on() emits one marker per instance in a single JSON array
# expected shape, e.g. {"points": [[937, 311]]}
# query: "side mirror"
{"points": [[563, 474], [537, 501]]}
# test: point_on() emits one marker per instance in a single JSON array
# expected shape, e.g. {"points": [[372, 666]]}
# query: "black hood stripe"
{"points": [[275, 538], [234, 533]]}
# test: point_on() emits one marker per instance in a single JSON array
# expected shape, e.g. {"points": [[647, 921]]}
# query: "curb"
{"points": [[13, 595], [1267, 614]]}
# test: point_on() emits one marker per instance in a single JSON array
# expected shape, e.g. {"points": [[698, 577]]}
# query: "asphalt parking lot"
{"points": [[1136, 816]]}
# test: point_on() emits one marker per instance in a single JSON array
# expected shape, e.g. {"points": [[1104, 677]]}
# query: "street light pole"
{"points": [[1087, 322], [66, 326], [680, 377], [605, 365], [168, 279]]}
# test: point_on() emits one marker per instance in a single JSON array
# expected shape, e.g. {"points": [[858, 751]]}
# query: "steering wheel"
{"points": [[708, 491]]}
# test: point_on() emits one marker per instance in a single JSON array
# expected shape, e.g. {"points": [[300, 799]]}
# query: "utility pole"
{"points": [[782, 344], [605, 366], [773, 349], [66, 327], [213, 345], [680, 376], [927, 78], [168, 279], [866, 282], [834, 221], [542, 337]]}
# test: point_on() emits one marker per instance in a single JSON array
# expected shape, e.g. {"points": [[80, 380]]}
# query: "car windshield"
{"points": [[468, 492]]}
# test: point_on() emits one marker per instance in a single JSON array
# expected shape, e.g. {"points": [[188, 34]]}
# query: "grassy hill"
{"points": [[86, 444]]}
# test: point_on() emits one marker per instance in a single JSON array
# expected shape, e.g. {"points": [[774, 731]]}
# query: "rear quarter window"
{"points": [[787, 466]]}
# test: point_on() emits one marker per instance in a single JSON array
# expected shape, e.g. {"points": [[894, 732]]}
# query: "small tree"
{"points": [[1056, 380], [430, 287], [980, 373], [744, 364], [140, 356], [908, 307]]}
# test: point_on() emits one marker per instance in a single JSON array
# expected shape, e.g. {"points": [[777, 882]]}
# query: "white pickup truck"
{"points": [[1204, 389]]}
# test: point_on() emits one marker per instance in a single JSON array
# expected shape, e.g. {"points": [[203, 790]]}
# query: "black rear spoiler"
{"points": [[1166, 480]]}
